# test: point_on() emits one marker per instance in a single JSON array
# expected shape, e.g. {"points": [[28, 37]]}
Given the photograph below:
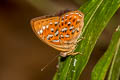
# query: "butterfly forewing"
{"points": [[46, 29]]}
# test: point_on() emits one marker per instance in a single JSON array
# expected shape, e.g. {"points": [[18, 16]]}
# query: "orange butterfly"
{"points": [[60, 32]]}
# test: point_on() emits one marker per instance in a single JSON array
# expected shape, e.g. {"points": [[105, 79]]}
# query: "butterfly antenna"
{"points": [[49, 62]]}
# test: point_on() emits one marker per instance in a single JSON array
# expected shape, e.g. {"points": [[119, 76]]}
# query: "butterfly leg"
{"points": [[81, 38], [74, 53], [71, 52], [75, 43], [64, 54]]}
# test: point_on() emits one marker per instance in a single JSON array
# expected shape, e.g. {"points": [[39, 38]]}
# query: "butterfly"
{"points": [[60, 32]]}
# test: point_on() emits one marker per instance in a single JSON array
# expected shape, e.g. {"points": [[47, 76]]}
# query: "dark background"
{"points": [[22, 54]]}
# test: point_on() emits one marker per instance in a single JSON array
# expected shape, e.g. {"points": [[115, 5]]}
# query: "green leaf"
{"points": [[114, 73], [103, 64], [97, 14]]}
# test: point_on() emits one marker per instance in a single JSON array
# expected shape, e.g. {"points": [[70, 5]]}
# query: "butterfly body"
{"points": [[60, 32]]}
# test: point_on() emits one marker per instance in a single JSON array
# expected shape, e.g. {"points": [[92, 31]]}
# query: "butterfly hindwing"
{"points": [[71, 24]]}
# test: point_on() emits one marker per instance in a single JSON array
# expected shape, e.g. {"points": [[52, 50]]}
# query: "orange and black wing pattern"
{"points": [[71, 25], [59, 30]]}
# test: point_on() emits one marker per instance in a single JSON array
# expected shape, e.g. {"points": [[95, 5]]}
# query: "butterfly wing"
{"points": [[59, 32]]}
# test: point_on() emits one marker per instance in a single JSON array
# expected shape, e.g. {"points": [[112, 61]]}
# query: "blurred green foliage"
{"points": [[101, 68], [114, 73]]}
